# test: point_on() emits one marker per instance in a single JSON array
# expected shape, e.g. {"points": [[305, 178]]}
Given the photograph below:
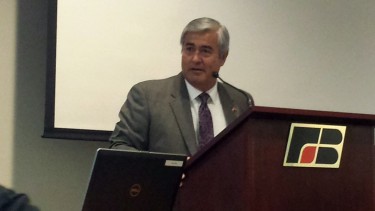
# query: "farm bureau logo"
{"points": [[313, 145]]}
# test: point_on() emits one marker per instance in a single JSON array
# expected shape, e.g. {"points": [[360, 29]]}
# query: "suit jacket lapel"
{"points": [[231, 111], [180, 104]]}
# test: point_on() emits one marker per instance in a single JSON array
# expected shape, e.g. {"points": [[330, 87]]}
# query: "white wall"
{"points": [[54, 172], [7, 77]]}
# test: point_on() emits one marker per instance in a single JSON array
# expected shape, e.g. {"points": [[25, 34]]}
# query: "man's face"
{"points": [[200, 58]]}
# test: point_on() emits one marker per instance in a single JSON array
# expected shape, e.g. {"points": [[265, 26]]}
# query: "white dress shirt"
{"points": [[214, 104]]}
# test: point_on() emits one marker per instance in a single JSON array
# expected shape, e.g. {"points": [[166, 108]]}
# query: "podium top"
{"points": [[288, 114], [322, 115]]}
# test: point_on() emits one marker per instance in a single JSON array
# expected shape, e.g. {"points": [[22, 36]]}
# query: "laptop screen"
{"points": [[133, 180]]}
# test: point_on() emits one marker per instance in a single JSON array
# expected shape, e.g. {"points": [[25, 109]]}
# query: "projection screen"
{"points": [[317, 55]]}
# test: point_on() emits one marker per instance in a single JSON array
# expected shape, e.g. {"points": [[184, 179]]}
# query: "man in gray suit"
{"points": [[162, 115]]}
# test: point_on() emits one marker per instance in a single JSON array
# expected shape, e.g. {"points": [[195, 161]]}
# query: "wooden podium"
{"points": [[242, 168]]}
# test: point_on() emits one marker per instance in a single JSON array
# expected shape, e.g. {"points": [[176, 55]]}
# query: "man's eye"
{"points": [[206, 51], [189, 49]]}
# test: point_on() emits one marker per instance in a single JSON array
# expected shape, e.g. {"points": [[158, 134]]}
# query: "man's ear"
{"points": [[223, 58]]}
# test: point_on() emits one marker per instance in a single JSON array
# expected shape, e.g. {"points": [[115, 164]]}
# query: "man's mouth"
{"points": [[196, 69]]}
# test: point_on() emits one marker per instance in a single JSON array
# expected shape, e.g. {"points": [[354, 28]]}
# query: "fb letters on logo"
{"points": [[313, 145]]}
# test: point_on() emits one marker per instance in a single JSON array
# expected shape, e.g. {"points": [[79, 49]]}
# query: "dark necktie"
{"points": [[206, 131]]}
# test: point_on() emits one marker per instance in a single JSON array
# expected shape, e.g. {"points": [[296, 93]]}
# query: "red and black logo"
{"points": [[312, 145]]}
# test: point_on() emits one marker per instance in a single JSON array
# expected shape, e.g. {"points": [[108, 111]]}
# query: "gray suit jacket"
{"points": [[157, 116]]}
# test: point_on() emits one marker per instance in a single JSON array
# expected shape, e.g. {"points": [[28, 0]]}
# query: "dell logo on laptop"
{"points": [[135, 190]]}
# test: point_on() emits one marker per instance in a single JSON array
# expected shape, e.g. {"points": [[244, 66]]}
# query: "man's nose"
{"points": [[196, 57]]}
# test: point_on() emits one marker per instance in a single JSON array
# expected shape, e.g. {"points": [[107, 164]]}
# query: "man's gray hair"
{"points": [[208, 24]]}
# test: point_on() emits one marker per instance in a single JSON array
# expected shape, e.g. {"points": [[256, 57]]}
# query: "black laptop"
{"points": [[133, 180]]}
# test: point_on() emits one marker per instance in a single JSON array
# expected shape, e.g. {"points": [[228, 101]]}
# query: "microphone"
{"points": [[249, 98]]}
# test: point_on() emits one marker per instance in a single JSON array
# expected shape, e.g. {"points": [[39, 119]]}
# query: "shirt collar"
{"points": [[194, 92]]}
